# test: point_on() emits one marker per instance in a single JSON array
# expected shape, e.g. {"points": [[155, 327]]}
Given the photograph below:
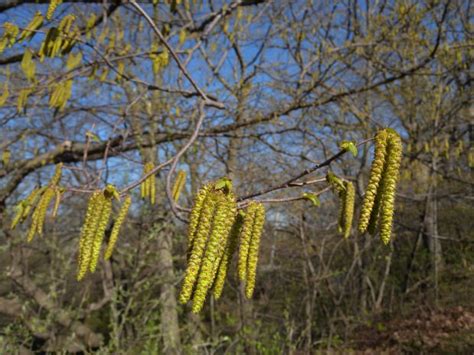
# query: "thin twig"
{"points": [[291, 181]]}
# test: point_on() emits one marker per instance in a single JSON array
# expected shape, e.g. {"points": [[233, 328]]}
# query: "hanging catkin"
{"points": [[148, 186], [94, 209], [44, 197], [374, 179], [348, 208], [179, 184], [116, 228], [394, 156], [231, 246], [252, 260]]}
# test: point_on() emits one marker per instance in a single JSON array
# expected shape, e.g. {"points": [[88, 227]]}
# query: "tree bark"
{"points": [[169, 309]]}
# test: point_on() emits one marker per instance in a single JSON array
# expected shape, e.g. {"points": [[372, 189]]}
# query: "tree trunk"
{"points": [[169, 309]]}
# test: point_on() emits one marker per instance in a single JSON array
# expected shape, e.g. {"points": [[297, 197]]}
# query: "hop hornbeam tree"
{"points": [[232, 120]]}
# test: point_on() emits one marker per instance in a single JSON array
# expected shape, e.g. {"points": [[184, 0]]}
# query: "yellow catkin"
{"points": [[179, 184], [43, 207], [394, 156], [116, 228], [39, 214], [252, 259], [374, 215], [106, 203], [230, 208], [196, 253], [57, 174], [148, 187], [29, 31], [374, 179], [342, 202], [24, 207], [94, 210], [244, 241], [20, 209], [221, 225], [230, 248], [152, 189], [196, 213], [58, 193], [348, 210], [52, 7]]}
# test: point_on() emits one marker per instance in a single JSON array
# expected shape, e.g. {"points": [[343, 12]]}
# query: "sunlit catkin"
{"points": [[394, 156], [58, 194], [221, 225], [348, 211], [198, 245], [57, 174], [94, 210], [230, 248], [51, 8], [42, 208], [24, 207], [374, 179], [252, 260], [374, 215], [116, 228], [179, 184], [102, 223], [148, 186], [196, 212], [244, 241], [37, 219]]}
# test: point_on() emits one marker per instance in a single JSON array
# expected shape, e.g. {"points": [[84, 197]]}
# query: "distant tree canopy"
{"points": [[215, 114]]}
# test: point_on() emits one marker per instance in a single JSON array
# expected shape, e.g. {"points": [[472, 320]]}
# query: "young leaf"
{"points": [[349, 146], [312, 197]]}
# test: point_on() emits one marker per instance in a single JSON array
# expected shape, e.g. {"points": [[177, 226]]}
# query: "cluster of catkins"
{"points": [[39, 200], [216, 228], [98, 214], [378, 205]]}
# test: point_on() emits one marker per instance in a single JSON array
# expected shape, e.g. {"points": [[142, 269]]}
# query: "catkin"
{"points": [[374, 215], [42, 208], [52, 7], [374, 179], [252, 260], [94, 210], [148, 187], [196, 213], [116, 228], [40, 213], [58, 193], [394, 156], [348, 210], [102, 223], [179, 184], [244, 242], [24, 207], [230, 248]]}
